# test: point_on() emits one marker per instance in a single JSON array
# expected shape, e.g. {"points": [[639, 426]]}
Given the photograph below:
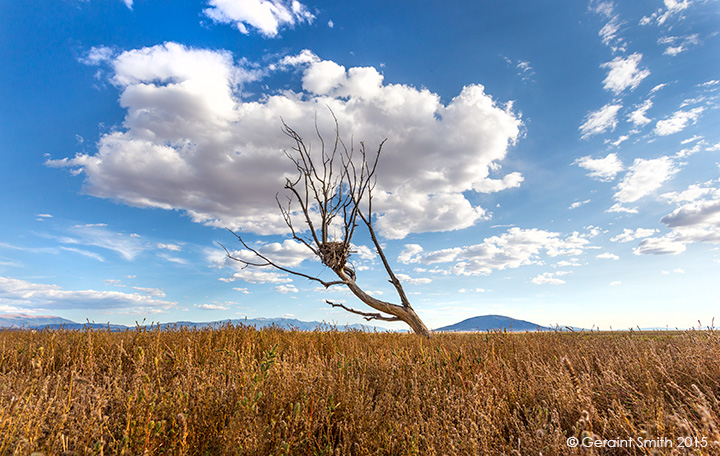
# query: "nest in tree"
{"points": [[334, 255]]}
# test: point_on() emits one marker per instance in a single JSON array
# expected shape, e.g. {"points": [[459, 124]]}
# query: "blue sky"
{"points": [[552, 161]]}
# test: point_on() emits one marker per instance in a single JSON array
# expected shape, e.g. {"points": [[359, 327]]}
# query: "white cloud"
{"points": [[657, 88], [696, 219], [609, 32], [512, 180], [23, 294], [608, 256], [410, 254], [241, 290], [86, 253], [192, 142], [665, 245], [630, 235], [266, 16], [689, 140], [638, 116], [619, 141], [678, 44], [574, 262], [128, 3], [525, 69], [615, 283], [213, 306], [155, 292], [171, 247], [577, 204], [512, 249], [644, 177], [217, 258], [692, 193], [548, 278], [284, 289], [98, 55], [288, 254], [662, 15], [364, 252], [472, 290], [255, 275], [624, 73], [600, 121], [303, 58], [619, 208], [698, 214], [677, 122], [97, 235], [404, 278], [602, 169]]}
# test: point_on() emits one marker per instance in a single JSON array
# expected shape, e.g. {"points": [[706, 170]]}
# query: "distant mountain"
{"points": [[493, 322], [50, 322], [30, 321], [286, 323], [483, 323]]}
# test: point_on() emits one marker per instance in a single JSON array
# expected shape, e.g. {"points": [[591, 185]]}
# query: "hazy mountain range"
{"points": [[47, 321], [482, 323]]}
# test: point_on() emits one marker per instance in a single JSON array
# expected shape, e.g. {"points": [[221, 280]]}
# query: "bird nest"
{"points": [[334, 255]]}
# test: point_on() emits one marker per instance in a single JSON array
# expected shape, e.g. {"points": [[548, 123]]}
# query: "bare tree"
{"points": [[335, 193]]}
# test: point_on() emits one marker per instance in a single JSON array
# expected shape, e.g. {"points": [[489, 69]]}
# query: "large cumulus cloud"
{"points": [[193, 140]]}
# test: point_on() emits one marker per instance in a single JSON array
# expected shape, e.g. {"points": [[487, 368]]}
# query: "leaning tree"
{"points": [[333, 191]]}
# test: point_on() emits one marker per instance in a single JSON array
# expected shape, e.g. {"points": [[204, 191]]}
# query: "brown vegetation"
{"points": [[238, 390]]}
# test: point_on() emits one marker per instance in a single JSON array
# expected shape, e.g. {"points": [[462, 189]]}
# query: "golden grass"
{"points": [[243, 391]]}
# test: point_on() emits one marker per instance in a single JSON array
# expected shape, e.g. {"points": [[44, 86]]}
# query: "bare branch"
{"points": [[268, 262], [367, 315]]}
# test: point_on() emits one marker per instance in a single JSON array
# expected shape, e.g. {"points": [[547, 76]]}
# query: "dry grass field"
{"points": [[243, 391]]}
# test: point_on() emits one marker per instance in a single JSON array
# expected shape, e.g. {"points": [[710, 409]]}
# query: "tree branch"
{"points": [[268, 262], [367, 315]]}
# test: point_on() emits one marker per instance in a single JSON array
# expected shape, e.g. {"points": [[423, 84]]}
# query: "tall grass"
{"points": [[239, 390]]}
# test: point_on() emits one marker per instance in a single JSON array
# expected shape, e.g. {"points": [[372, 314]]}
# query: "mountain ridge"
{"points": [[474, 324], [493, 323]]}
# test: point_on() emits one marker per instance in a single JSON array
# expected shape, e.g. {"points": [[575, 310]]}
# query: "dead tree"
{"points": [[339, 196]]}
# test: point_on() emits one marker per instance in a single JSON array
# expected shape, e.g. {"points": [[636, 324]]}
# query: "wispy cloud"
{"points": [[678, 44], [662, 15], [577, 204], [629, 235], [550, 278], [677, 122], [214, 306], [600, 121], [28, 295]]}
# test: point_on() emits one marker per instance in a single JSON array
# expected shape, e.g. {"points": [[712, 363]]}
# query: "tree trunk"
{"points": [[405, 313]]}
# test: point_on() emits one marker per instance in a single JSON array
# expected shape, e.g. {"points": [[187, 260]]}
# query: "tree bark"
{"points": [[405, 313]]}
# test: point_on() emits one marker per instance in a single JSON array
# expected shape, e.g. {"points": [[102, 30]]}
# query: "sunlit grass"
{"points": [[238, 390]]}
